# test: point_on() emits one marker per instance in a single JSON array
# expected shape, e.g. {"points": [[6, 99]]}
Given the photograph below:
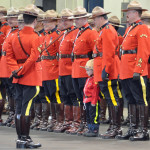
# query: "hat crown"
{"points": [[114, 19], [135, 4], [66, 12], [31, 9], [79, 11], [89, 64], [99, 11], [3, 9], [12, 11], [50, 14]]}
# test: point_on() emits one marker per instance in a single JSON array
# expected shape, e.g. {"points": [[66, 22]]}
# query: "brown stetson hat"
{"points": [[114, 20], [12, 13], [80, 12], [66, 13], [40, 15], [89, 64], [30, 10], [134, 5], [50, 15], [3, 10], [98, 11], [145, 15]]}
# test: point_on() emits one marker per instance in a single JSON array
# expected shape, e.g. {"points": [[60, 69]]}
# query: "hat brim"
{"points": [[84, 16], [145, 17], [5, 17], [117, 25], [53, 19], [125, 10], [98, 15]]}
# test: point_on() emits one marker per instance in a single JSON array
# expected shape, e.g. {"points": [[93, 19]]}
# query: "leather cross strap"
{"points": [[22, 45]]}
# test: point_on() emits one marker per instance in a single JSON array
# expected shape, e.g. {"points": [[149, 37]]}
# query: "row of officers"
{"points": [[42, 60]]}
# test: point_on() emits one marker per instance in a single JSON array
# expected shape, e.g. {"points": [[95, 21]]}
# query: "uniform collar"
{"points": [[104, 25], [83, 27], [49, 32], [134, 23], [41, 31], [69, 29]]}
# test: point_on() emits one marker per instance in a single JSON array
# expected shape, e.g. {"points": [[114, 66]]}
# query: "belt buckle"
{"points": [[59, 56], [42, 57]]}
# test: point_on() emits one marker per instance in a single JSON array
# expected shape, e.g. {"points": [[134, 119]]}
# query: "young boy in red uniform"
{"points": [[91, 102]]}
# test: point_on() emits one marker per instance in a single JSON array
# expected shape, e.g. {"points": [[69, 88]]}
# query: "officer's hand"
{"points": [[105, 75], [14, 74], [136, 76]]}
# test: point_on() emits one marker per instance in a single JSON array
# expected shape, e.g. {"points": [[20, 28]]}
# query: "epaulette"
{"points": [[37, 33], [58, 32]]}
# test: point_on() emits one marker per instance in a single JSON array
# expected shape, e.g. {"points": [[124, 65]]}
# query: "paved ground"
{"points": [[62, 141]]}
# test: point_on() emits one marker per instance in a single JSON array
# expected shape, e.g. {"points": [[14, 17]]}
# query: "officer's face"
{"points": [[131, 16], [80, 22], [12, 21], [49, 25], [67, 23], [97, 22], [60, 25]]}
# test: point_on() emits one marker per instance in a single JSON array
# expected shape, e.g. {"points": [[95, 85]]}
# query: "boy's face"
{"points": [[89, 71]]}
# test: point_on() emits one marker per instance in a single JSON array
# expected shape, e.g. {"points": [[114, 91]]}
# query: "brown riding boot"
{"points": [[133, 123], [60, 117], [53, 121], [38, 116], [45, 114], [103, 106], [76, 121], [142, 134], [68, 115], [115, 127], [2, 102]]}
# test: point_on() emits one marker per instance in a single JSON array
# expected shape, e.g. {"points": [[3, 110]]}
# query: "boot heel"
{"points": [[21, 145]]}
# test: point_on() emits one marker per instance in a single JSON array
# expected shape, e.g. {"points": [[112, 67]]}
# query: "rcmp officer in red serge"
{"points": [[105, 68], [21, 59], [82, 52], [115, 22], [133, 72], [67, 92], [12, 15], [50, 68]]}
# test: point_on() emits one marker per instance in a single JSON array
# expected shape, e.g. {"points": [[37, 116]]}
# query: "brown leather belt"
{"points": [[21, 61], [3, 53], [64, 56], [87, 96], [80, 56], [132, 51], [48, 57], [100, 54]]}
